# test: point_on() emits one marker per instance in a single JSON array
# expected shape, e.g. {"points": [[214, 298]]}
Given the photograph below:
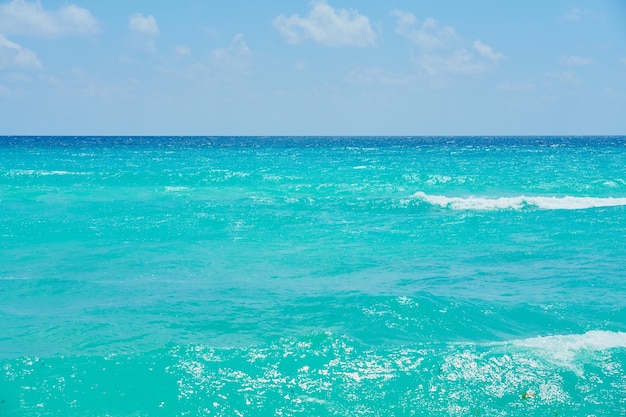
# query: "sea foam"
{"points": [[592, 340], [563, 349], [519, 202]]}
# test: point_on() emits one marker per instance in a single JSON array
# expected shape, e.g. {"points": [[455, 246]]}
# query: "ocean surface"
{"points": [[313, 276]]}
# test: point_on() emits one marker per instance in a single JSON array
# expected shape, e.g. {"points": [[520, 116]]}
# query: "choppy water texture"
{"points": [[312, 276]]}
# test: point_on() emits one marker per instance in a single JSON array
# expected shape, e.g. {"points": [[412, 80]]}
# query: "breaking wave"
{"points": [[519, 202]]}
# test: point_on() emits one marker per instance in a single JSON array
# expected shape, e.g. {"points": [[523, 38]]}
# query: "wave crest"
{"points": [[519, 202], [563, 349], [593, 340]]}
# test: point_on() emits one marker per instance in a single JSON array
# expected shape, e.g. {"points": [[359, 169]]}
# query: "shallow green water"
{"points": [[312, 276]]}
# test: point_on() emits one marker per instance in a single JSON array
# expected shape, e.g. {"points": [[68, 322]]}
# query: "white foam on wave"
{"points": [[592, 340], [174, 188], [518, 202], [563, 349], [44, 173]]}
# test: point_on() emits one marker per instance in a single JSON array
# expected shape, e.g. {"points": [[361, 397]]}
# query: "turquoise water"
{"points": [[313, 276]]}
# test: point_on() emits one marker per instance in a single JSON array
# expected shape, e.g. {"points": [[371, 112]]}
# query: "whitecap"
{"points": [[563, 349], [518, 202], [45, 172], [174, 188], [594, 340]]}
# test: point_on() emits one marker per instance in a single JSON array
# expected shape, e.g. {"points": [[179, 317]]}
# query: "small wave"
{"points": [[175, 189], [297, 375], [563, 349], [594, 340], [19, 172], [518, 202]]}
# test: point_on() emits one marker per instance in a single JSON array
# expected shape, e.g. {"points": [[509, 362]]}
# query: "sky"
{"points": [[321, 67]]}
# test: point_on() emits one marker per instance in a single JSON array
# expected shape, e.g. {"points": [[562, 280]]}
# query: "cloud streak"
{"points": [[327, 26]]}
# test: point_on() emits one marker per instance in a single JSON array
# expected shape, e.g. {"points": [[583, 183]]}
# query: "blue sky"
{"points": [[335, 67]]}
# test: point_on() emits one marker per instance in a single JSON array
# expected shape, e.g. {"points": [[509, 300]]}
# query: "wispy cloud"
{"points": [[427, 36], [574, 14], [230, 63], [459, 62], [20, 17], [236, 58], [487, 52], [574, 60], [12, 55], [145, 30], [440, 50], [144, 25], [563, 77], [327, 26]]}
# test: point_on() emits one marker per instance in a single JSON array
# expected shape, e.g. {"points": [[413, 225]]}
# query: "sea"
{"points": [[312, 276]]}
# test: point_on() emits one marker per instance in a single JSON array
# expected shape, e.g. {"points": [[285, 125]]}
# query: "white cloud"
{"points": [[236, 58], [428, 36], [406, 20], [487, 52], [145, 31], [13, 55], [573, 61], [20, 17], [327, 26], [144, 25], [441, 50]]}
